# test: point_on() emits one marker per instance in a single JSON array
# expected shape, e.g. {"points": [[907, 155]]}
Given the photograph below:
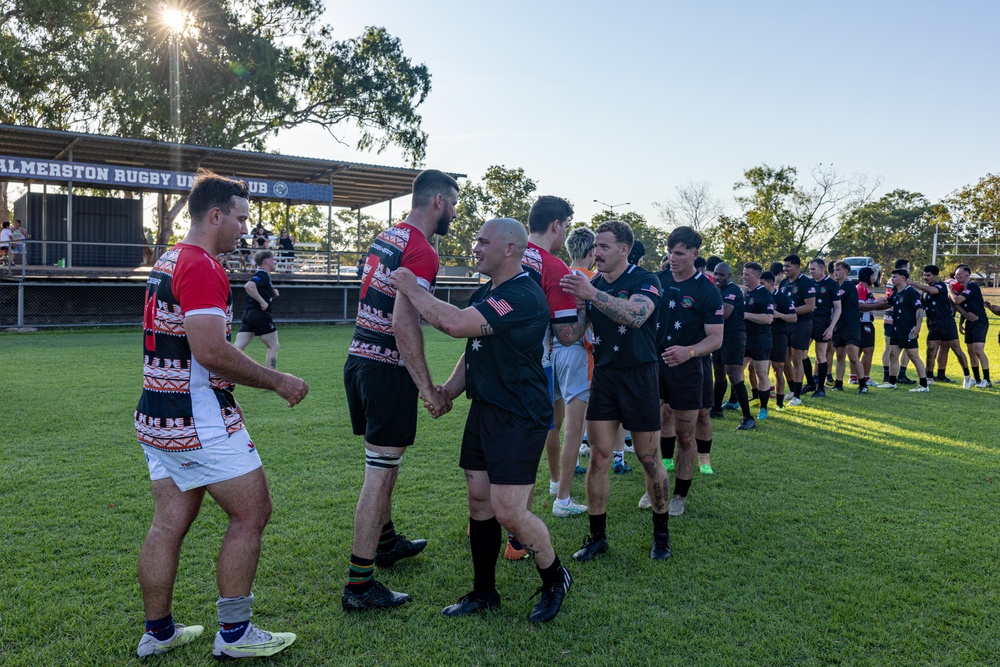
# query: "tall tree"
{"points": [[975, 228], [502, 193], [247, 70], [899, 224], [692, 205], [653, 237]]}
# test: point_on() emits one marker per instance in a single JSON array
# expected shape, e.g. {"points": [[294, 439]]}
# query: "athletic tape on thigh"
{"points": [[376, 460]]}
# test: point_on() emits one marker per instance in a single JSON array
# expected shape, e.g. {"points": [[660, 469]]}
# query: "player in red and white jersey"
{"points": [[384, 374], [191, 427]]}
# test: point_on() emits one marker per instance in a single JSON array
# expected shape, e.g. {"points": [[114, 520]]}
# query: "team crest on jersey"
{"points": [[751, 301], [623, 294], [687, 302], [795, 289]]}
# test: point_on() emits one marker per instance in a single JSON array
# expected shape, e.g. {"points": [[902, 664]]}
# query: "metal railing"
{"points": [[106, 285]]}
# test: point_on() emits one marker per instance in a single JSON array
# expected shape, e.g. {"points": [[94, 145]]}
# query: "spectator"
{"points": [[260, 233], [17, 235], [5, 235], [287, 245]]}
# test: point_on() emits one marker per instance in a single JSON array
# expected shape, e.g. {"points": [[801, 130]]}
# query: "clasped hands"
{"points": [[439, 403]]}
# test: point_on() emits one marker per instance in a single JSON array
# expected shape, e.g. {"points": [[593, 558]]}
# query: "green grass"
{"points": [[854, 531]]}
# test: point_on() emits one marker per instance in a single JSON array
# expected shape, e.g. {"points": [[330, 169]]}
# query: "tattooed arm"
{"points": [[632, 313], [454, 321]]}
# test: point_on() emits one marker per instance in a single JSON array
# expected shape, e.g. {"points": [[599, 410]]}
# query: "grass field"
{"points": [[853, 531]]}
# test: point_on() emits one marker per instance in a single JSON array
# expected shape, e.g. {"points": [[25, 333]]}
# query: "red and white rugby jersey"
{"points": [[183, 404]]}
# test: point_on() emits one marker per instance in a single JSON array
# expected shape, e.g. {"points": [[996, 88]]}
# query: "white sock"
{"points": [[562, 502]]}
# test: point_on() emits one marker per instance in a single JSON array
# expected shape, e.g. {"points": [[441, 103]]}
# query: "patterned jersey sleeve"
{"points": [[200, 285]]}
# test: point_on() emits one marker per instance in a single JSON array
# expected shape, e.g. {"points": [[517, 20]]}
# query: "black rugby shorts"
{"points": [[628, 395], [382, 402], [497, 442]]}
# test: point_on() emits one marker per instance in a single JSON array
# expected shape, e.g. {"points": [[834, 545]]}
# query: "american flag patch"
{"points": [[651, 289], [499, 305]]}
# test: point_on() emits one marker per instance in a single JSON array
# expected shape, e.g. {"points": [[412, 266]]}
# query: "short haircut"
{"points": [[819, 261], [580, 242], [546, 210], [767, 277], [712, 262], [963, 267], [620, 230], [776, 268], [900, 263], [830, 266], [756, 268], [847, 267], [5, 224], [901, 272], [700, 263], [428, 184], [865, 274], [637, 252], [932, 269], [793, 260], [262, 255], [213, 191], [686, 236]]}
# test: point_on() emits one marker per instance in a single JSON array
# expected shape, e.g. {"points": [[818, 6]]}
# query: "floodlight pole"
{"points": [[611, 207], [175, 85]]}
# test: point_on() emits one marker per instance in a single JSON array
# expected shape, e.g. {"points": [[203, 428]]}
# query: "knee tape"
{"points": [[381, 461]]}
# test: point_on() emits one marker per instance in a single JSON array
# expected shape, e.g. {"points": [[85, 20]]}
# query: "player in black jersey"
{"points": [[801, 291], [257, 320], [968, 300], [847, 333], [690, 329], [727, 361], [825, 319], [907, 318], [621, 307], [509, 417], [784, 319], [942, 333], [759, 314]]}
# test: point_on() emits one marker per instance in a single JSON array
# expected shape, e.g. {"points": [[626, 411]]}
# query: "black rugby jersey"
{"points": [[905, 305], [686, 307], [505, 368], [974, 302], [262, 279], [938, 306], [827, 293], [758, 301], [798, 291], [783, 305], [615, 344], [850, 311], [734, 325]]}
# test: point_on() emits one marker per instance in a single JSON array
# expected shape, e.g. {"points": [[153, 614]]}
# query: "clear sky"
{"points": [[624, 101]]}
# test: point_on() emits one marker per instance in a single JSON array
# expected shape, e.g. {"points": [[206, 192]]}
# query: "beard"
{"points": [[443, 224]]}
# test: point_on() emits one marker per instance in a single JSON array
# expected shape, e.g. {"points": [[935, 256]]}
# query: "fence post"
{"points": [[20, 303]]}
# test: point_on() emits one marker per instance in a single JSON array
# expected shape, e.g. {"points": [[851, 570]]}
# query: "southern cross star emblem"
{"points": [[670, 337], [597, 341], [476, 344], [622, 330], [616, 348], [671, 303], [677, 324]]}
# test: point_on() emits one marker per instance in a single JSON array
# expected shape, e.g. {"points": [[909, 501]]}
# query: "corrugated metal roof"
{"points": [[355, 185]]}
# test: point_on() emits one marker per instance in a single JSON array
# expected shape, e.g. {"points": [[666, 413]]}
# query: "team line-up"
{"points": [[602, 347]]}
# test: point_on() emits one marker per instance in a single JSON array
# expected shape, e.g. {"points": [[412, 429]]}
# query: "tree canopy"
{"points": [[899, 224]]}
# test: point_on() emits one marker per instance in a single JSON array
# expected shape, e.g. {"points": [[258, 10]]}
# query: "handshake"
{"points": [[439, 402]]}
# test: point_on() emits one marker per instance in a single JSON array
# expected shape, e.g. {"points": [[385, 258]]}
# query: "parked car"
{"points": [[858, 263]]}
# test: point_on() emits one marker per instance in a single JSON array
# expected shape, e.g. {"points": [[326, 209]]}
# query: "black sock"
{"points": [[839, 384], [885, 373], [821, 376], [986, 374], [862, 382], [552, 573], [892, 379], [387, 540], [720, 392], [161, 629], [965, 371], [941, 375], [732, 395], [741, 397], [780, 398], [660, 522], [807, 370], [764, 395], [923, 381], [599, 525], [360, 574], [667, 444], [797, 389], [681, 487], [704, 447], [975, 372], [484, 540], [755, 394]]}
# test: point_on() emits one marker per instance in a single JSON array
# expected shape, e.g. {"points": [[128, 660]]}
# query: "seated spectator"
{"points": [[287, 245], [260, 233]]}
